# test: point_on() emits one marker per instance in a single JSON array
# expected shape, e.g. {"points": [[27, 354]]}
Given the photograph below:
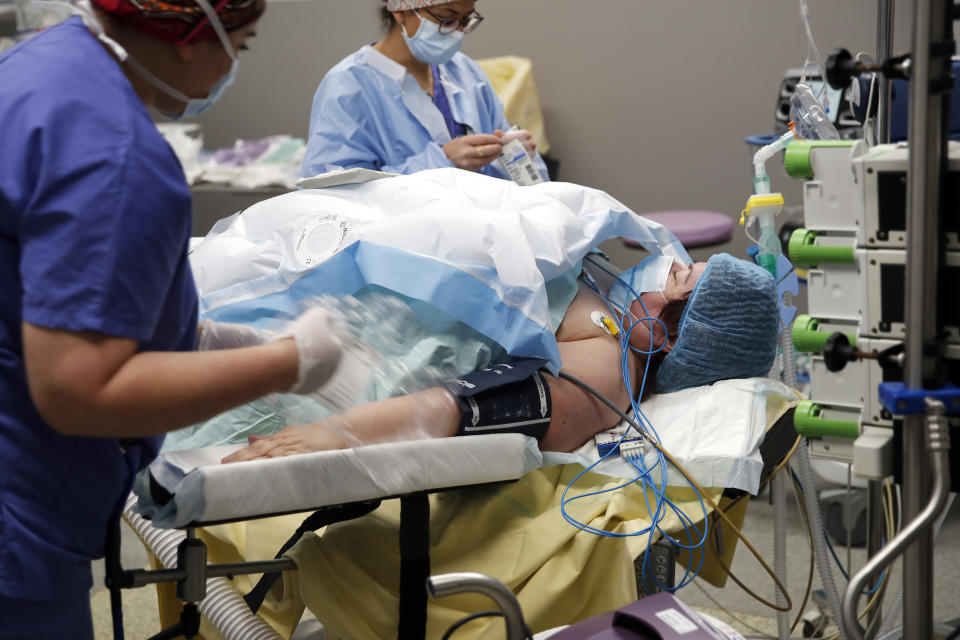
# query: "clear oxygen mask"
{"points": [[809, 117]]}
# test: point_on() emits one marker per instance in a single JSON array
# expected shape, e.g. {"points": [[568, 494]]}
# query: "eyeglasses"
{"points": [[467, 23]]}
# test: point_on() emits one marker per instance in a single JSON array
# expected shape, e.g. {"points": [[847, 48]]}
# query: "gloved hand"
{"points": [[334, 366], [229, 335], [473, 151], [524, 136]]}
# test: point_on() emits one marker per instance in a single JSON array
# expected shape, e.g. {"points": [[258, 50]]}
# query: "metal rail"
{"points": [[926, 149], [884, 52], [938, 445], [451, 583]]}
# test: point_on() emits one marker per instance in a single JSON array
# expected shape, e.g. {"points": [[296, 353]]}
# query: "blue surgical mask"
{"points": [[429, 45], [650, 275], [194, 106]]}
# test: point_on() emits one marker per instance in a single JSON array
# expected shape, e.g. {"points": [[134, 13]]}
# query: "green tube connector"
{"points": [[808, 423], [797, 161], [804, 253], [807, 337]]}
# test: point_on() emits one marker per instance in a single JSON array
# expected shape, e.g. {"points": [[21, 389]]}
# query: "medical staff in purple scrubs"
{"points": [[98, 302], [411, 101]]}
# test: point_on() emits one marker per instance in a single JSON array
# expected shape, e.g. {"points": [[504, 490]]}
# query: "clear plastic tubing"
{"points": [[778, 490], [761, 181], [223, 606], [812, 500]]}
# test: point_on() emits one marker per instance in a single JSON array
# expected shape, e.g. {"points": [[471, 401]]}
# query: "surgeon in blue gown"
{"points": [[97, 294], [411, 101]]}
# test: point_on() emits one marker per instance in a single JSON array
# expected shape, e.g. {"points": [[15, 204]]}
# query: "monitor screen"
{"points": [[833, 98]]}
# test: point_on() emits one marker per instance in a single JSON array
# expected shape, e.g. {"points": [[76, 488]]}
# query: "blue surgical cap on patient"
{"points": [[728, 330]]}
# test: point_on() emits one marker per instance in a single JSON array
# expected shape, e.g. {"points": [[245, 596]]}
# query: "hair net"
{"points": [[407, 5], [173, 20], [728, 330]]}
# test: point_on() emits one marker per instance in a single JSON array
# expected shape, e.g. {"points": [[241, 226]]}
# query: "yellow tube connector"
{"points": [[759, 205]]}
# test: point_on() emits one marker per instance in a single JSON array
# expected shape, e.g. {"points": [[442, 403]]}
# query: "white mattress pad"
{"points": [[191, 487], [713, 431]]}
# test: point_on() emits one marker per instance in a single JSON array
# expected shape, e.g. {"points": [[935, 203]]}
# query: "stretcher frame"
{"points": [[192, 572]]}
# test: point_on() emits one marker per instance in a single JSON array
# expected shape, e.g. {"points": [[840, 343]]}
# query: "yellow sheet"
{"points": [[349, 575], [512, 79], [514, 532]]}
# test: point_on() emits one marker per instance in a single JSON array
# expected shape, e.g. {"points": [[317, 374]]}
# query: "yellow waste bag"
{"points": [[512, 79]]}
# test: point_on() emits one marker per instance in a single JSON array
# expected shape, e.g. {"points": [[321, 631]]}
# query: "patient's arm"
{"points": [[586, 350], [431, 413]]}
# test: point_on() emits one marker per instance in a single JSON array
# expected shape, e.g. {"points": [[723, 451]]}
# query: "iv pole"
{"points": [[932, 31]]}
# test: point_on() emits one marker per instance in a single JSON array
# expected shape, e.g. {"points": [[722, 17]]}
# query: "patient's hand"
{"points": [[301, 438], [431, 413]]}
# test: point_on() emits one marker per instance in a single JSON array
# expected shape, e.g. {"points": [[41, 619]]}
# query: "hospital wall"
{"points": [[649, 100]]}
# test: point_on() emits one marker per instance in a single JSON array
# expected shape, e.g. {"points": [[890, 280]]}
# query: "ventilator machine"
{"points": [[880, 252]]}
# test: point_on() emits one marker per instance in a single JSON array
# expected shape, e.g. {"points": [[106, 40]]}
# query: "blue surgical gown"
{"points": [[369, 112], [94, 223]]}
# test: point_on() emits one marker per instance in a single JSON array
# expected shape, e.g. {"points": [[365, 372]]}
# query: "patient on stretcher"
{"points": [[498, 286], [715, 320], [505, 275]]}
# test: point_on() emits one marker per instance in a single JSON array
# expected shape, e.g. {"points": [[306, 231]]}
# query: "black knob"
{"points": [[837, 352], [841, 68]]}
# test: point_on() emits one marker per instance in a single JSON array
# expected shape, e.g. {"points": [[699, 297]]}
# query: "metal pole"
{"points": [[884, 51], [246, 568], [923, 201], [885, 13], [875, 534]]}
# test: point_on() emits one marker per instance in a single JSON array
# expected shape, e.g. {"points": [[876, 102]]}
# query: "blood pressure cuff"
{"points": [[512, 397]]}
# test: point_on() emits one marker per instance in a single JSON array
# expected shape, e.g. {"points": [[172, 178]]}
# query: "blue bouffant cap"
{"points": [[728, 330]]}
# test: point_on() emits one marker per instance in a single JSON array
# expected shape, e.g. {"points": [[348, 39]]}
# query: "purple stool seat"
{"points": [[693, 228]]}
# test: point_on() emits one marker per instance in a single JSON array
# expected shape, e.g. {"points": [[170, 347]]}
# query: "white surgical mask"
{"points": [[650, 275], [429, 45], [194, 106]]}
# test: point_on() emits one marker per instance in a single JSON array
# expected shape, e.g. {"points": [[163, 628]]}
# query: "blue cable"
{"points": [[833, 551], [688, 524], [662, 504], [846, 576], [564, 500]]}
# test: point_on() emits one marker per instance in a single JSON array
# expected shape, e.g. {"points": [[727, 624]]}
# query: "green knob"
{"points": [[808, 423], [797, 158], [807, 337], [804, 253]]}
